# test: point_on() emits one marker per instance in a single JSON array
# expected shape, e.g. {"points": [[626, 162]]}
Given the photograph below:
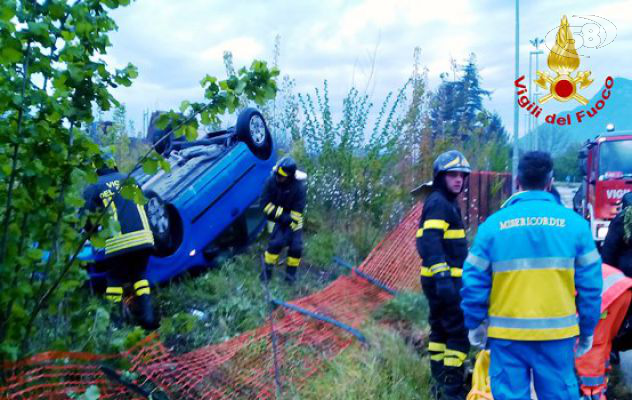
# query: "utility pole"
{"points": [[514, 166], [534, 96]]}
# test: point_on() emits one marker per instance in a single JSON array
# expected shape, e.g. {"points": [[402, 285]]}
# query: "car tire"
{"points": [[251, 129], [160, 223]]}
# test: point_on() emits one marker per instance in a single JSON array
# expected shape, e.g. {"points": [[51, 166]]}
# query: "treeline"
{"points": [[363, 164]]}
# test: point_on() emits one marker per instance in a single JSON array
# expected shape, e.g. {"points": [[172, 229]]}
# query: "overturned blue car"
{"points": [[209, 201]]}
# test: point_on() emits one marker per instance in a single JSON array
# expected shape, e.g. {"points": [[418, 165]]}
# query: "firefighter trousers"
{"points": [[448, 343], [281, 237]]}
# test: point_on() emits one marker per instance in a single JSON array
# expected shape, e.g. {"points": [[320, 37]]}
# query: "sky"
{"points": [[368, 44]]}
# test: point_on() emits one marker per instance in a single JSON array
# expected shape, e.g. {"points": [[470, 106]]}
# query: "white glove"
{"points": [[478, 336], [584, 345]]}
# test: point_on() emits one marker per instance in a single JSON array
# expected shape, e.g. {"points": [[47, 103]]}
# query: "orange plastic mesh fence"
{"points": [[241, 367]]}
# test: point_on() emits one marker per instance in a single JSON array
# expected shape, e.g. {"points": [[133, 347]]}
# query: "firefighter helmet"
{"points": [[286, 167], [451, 161]]}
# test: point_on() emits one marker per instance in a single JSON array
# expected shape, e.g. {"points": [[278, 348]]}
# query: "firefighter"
{"points": [[127, 253], [617, 247], [442, 245], [520, 281], [593, 366], [284, 203]]}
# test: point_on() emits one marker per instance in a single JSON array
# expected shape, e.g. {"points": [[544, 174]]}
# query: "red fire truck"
{"points": [[606, 165]]}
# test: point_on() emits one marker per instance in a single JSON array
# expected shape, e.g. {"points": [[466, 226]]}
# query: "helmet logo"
{"points": [[281, 172], [452, 163]]}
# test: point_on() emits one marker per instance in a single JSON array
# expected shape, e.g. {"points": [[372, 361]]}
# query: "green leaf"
{"points": [[150, 166], [67, 35], [98, 242], [7, 12], [164, 164], [190, 133], [9, 55], [184, 105]]}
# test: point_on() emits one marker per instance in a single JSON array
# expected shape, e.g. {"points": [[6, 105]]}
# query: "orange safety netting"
{"points": [[243, 367]]}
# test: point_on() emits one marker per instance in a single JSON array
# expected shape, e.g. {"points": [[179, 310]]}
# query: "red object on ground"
{"points": [[593, 366], [241, 367]]}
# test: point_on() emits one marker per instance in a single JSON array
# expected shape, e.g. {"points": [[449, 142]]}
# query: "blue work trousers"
{"points": [[552, 363]]}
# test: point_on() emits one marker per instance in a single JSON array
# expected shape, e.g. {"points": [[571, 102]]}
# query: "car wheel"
{"points": [[160, 223], [251, 129]]}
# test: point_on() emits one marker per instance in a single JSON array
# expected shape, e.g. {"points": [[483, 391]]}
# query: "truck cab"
{"points": [[606, 166]]}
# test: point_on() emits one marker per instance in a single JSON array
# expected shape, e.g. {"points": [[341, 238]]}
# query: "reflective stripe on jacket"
{"points": [[526, 264], [615, 283], [135, 233]]}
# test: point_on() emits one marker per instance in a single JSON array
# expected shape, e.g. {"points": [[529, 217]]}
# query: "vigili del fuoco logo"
{"points": [[566, 84]]}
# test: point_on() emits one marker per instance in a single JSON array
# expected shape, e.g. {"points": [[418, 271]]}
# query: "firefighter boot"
{"points": [[266, 273], [290, 274], [114, 294], [146, 318], [453, 384], [145, 311], [270, 260], [437, 372], [290, 270]]}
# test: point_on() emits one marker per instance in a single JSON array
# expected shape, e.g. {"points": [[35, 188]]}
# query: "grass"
{"points": [[227, 301], [389, 369]]}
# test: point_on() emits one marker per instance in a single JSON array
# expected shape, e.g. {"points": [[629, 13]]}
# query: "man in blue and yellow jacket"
{"points": [[532, 283]]}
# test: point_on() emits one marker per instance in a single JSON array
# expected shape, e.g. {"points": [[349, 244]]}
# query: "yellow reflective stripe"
{"points": [[143, 217], [434, 346], [295, 226], [533, 334], [438, 268], [143, 291], [436, 224], [126, 237], [281, 172], [296, 214], [127, 245], [141, 283], [454, 234], [293, 261], [270, 258], [279, 211], [268, 208], [455, 354], [456, 272], [420, 232], [452, 362], [437, 357], [114, 293]]}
